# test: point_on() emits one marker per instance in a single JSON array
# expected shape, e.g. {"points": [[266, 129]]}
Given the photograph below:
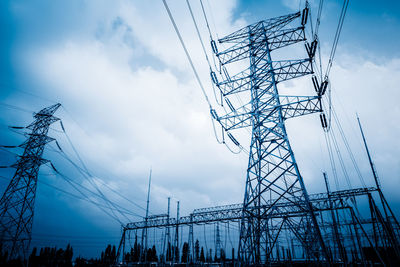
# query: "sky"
{"points": [[130, 103]]}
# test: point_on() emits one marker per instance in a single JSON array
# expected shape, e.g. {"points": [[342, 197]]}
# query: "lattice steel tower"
{"points": [[18, 201], [275, 198]]}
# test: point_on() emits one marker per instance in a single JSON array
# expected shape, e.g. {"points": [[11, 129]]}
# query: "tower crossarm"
{"points": [[292, 106], [38, 140], [30, 162], [268, 26], [289, 69], [277, 40], [286, 37], [282, 70]]}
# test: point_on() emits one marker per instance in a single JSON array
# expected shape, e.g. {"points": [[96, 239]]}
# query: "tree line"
{"points": [[172, 254], [58, 257]]}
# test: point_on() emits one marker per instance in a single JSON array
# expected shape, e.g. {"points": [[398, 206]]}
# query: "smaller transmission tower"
{"points": [[18, 201]]}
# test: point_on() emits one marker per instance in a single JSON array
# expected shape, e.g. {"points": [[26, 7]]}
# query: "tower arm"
{"points": [[283, 70], [292, 106], [278, 40], [300, 106], [265, 25]]}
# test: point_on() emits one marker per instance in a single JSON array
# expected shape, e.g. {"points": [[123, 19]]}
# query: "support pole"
{"points": [[143, 247], [176, 254], [334, 222], [167, 234]]}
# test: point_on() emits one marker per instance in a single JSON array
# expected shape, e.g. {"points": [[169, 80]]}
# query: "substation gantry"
{"points": [[349, 238]]}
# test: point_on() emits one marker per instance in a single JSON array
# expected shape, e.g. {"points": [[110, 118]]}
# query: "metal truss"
{"points": [[273, 178], [232, 212], [17, 202]]}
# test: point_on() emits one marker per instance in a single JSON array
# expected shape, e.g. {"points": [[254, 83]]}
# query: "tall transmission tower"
{"points": [[18, 201], [273, 176]]}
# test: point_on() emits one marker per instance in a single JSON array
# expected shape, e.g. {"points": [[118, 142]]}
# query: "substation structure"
{"points": [[350, 238], [278, 221]]}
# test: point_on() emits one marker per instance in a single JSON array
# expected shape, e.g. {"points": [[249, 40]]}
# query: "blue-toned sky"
{"points": [[131, 102]]}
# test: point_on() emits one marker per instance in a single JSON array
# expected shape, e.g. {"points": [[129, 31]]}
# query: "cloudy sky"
{"points": [[131, 103]]}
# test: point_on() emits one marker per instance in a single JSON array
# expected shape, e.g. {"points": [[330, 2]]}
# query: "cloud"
{"points": [[137, 117], [292, 4]]}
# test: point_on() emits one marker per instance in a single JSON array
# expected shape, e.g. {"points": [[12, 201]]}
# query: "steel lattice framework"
{"points": [[348, 237], [17, 202], [321, 202], [272, 173]]}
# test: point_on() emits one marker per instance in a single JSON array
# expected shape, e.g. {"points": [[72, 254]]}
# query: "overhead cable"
{"points": [[187, 53], [337, 35], [101, 196], [84, 173], [208, 26], [349, 149], [16, 108], [89, 177], [70, 181], [198, 33]]}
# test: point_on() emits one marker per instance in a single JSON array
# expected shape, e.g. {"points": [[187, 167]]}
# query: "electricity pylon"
{"points": [[273, 176], [18, 201]]}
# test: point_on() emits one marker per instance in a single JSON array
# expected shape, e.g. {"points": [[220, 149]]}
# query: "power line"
{"points": [[84, 174], [16, 107], [337, 35], [193, 67], [209, 64], [67, 193], [187, 53], [69, 141], [73, 236], [198, 33], [348, 148], [27, 93], [89, 176], [75, 184], [112, 215]]}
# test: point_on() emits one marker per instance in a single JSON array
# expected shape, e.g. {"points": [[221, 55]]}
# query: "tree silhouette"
{"points": [[51, 257], [134, 254], [185, 252], [168, 256], [209, 256], [197, 250], [202, 258], [109, 256], [223, 255], [176, 253]]}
